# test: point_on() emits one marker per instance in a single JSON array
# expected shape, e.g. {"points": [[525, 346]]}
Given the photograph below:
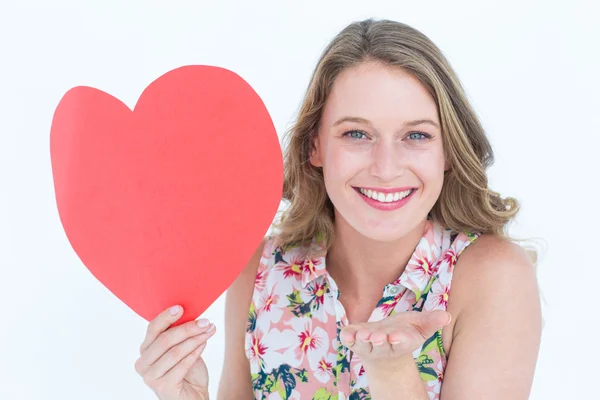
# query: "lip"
{"points": [[394, 205]]}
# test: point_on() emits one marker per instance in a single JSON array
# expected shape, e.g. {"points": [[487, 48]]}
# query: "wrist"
{"points": [[395, 378], [389, 367]]}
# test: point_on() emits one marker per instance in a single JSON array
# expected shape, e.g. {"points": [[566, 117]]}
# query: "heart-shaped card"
{"points": [[166, 204]]}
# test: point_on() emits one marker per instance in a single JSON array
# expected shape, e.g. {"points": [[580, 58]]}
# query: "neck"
{"points": [[361, 266]]}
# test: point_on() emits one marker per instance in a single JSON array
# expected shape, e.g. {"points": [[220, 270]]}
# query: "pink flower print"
{"points": [[324, 365], [420, 267], [310, 265], [270, 299], [435, 386], [294, 267], [265, 350], [361, 376], [318, 291], [269, 248], [324, 371], [295, 395], [270, 306], [256, 350], [438, 297], [308, 341], [387, 306], [260, 282], [423, 267], [311, 341], [450, 257]]}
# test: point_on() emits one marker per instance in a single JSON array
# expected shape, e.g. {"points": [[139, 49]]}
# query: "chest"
{"points": [[359, 310], [297, 313], [293, 346]]}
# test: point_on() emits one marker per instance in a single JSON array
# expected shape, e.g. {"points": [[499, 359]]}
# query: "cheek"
{"points": [[429, 168], [342, 162]]}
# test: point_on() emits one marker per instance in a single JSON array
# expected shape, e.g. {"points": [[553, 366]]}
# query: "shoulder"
{"points": [[497, 322], [244, 282], [489, 258], [239, 294], [494, 275], [237, 304]]}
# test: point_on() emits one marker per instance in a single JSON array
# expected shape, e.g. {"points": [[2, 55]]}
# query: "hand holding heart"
{"points": [[170, 357], [379, 344]]}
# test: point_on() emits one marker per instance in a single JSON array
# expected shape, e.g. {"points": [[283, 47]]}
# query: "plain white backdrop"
{"points": [[529, 67]]}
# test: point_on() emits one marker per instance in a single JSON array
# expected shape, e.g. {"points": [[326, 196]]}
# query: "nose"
{"points": [[387, 161]]}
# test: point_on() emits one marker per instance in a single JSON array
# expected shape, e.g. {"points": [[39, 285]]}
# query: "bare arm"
{"points": [[496, 338], [236, 383], [401, 382]]}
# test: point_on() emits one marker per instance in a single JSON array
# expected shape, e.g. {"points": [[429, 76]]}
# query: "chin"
{"points": [[383, 236], [384, 231], [386, 235]]}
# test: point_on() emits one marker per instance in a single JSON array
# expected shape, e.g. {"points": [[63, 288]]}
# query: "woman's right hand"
{"points": [[170, 358]]}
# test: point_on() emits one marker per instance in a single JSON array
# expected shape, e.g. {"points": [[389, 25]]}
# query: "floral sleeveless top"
{"points": [[292, 337]]}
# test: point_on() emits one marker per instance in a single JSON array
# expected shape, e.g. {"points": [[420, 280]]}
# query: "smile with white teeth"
{"points": [[384, 197]]}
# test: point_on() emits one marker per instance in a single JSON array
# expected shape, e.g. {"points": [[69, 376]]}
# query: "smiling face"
{"points": [[380, 147]]}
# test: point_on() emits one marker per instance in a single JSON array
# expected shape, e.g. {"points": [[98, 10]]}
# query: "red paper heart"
{"points": [[166, 204]]}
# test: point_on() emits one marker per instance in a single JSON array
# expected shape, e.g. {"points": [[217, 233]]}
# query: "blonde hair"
{"points": [[465, 202]]}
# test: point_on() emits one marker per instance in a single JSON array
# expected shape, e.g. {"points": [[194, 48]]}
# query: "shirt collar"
{"points": [[415, 276], [313, 265], [423, 263]]}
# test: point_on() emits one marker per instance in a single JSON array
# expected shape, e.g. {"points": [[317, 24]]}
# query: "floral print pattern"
{"points": [[295, 317]]}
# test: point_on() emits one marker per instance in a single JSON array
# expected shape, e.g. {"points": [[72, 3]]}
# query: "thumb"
{"points": [[432, 322]]}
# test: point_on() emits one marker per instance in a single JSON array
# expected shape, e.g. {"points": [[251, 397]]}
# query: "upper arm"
{"points": [[497, 333], [235, 380]]}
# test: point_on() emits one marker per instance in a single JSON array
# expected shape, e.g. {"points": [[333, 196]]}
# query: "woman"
{"points": [[385, 176]]}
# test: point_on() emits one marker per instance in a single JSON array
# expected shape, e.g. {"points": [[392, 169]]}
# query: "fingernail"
{"points": [[174, 310], [212, 328], [449, 319], [202, 323]]}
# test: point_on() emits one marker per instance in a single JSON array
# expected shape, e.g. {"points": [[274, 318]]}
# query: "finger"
{"points": [[182, 369], [378, 337], [362, 345], [431, 322], [380, 343], [172, 337], [422, 327], [363, 334], [403, 342], [172, 357], [160, 324], [348, 335]]}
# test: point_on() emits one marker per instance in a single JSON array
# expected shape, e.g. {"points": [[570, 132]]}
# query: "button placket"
{"points": [[343, 380], [394, 290]]}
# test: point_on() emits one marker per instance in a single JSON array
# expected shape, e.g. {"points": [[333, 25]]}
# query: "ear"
{"points": [[315, 151]]}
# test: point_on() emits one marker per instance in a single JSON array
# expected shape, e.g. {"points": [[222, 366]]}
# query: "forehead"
{"points": [[375, 91]]}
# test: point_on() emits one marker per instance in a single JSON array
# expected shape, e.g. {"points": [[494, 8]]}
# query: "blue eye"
{"points": [[418, 136], [355, 134]]}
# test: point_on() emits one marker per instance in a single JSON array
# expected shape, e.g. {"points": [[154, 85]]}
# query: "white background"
{"points": [[530, 68]]}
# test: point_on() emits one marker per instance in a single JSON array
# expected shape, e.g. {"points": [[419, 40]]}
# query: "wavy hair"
{"points": [[465, 202]]}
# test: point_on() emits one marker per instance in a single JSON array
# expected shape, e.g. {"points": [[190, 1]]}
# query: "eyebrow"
{"points": [[367, 122]]}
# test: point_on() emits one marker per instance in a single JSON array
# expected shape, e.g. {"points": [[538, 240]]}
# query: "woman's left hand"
{"points": [[381, 343]]}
